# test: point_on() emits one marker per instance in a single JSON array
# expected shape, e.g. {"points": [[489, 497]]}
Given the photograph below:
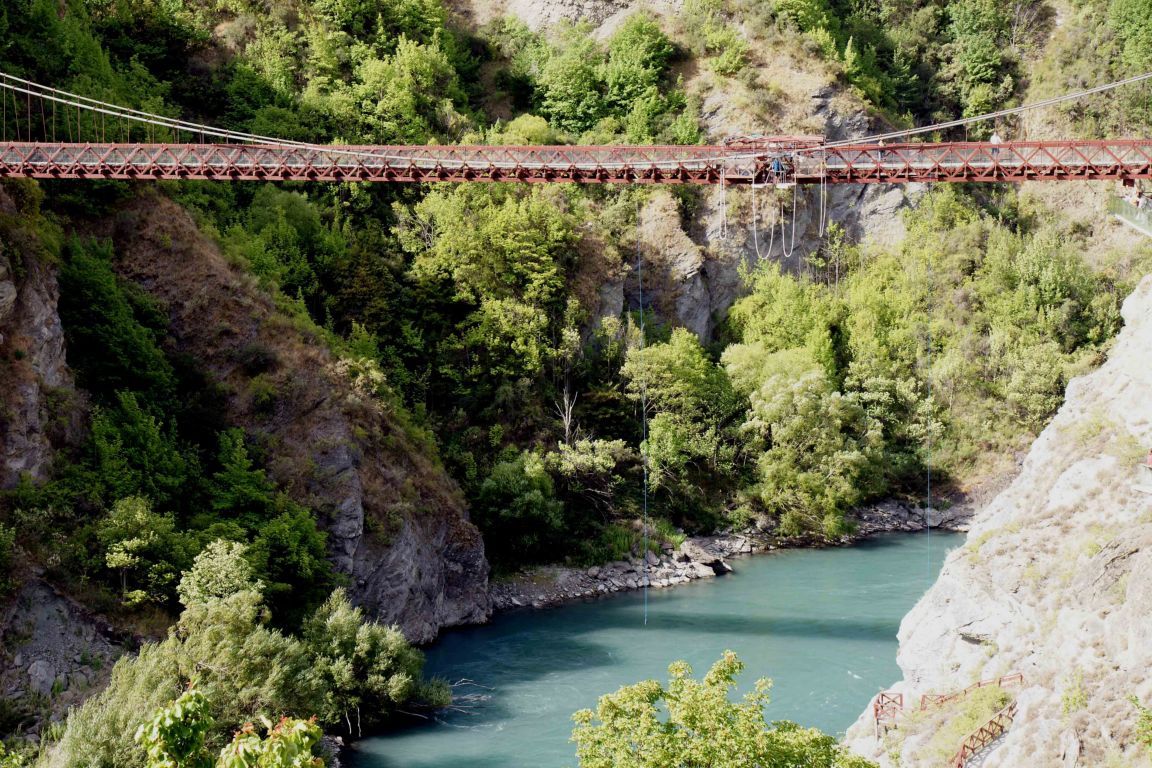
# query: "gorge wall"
{"points": [[397, 524], [1055, 582], [35, 412]]}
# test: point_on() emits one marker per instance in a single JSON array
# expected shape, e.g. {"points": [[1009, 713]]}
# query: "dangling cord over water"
{"points": [[928, 431], [644, 415]]}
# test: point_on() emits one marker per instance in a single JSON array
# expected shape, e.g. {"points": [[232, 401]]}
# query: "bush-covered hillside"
{"points": [[473, 309], [824, 389]]}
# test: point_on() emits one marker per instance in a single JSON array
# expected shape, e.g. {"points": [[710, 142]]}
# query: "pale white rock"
{"points": [[1055, 581]]}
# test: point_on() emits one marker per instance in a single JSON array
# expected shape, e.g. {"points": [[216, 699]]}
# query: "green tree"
{"points": [[218, 572], [822, 451], [638, 55], [135, 454], [1133, 24], [695, 724], [145, 548], [692, 402], [571, 93], [107, 345], [288, 552], [502, 254], [364, 670], [518, 512], [408, 97]]}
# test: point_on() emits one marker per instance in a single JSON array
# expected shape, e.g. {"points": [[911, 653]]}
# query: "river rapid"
{"points": [[820, 622]]}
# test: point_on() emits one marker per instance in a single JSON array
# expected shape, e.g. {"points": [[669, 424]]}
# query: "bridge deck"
{"points": [[858, 164]]}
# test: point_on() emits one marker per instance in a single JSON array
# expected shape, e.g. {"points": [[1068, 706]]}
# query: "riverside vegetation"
{"points": [[470, 306]]}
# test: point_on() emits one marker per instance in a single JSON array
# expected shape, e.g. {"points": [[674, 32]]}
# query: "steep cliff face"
{"points": [[1055, 581], [36, 387], [397, 525]]}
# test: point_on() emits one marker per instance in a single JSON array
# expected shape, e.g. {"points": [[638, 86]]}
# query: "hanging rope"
{"points": [[723, 202], [643, 416], [823, 194], [756, 226], [787, 251]]}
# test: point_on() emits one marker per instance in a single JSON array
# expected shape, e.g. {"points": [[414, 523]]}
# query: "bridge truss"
{"points": [[1113, 160]]}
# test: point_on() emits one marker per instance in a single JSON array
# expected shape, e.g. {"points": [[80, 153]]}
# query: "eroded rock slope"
{"points": [[397, 524]]}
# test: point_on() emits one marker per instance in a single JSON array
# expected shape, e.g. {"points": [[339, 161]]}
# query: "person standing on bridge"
{"points": [[995, 141], [777, 170]]}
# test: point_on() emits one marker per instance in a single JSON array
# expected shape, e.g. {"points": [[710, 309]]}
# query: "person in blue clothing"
{"points": [[777, 169]]}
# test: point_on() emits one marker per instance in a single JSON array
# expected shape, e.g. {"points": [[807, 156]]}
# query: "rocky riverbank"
{"points": [[700, 557]]}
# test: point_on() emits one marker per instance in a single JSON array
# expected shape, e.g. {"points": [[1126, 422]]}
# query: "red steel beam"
{"points": [[1121, 159]]}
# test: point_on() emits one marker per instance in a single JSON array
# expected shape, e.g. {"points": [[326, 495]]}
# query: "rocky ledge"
{"points": [[701, 557]]}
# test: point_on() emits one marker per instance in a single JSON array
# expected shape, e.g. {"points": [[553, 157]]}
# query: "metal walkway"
{"points": [[1129, 159]]}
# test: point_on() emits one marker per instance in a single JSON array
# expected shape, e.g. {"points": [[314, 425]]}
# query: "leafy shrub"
{"points": [[518, 512], [244, 672], [691, 721], [1143, 724]]}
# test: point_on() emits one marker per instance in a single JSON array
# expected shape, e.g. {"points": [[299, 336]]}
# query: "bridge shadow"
{"points": [[767, 625]]}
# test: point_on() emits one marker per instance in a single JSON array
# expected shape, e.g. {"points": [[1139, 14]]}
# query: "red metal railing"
{"points": [[888, 705], [1127, 159], [983, 736], [929, 700]]}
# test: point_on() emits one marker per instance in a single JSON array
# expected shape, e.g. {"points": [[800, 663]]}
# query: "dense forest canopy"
{"points": [[824, 387]]}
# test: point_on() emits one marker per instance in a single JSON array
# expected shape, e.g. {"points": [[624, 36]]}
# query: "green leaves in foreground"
{"points": [[693, 724], [176, 738]]}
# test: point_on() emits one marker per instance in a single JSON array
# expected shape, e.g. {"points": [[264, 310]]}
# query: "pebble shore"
{"points": [[699, 557]]}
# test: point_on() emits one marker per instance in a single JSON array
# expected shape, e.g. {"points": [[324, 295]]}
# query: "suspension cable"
{"points": [[991, 115], [27, 87]]}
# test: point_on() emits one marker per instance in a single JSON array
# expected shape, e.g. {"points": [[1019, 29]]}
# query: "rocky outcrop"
{"points": [[53, 654], [37, 388], [397, 524], [1055, 581]]}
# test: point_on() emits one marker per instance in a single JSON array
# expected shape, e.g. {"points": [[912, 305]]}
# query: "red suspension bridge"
{"points": [[1116, 160], [62, 135]]}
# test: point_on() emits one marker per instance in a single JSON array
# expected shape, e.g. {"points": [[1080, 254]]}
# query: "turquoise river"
{"points": [[821, 623]]}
